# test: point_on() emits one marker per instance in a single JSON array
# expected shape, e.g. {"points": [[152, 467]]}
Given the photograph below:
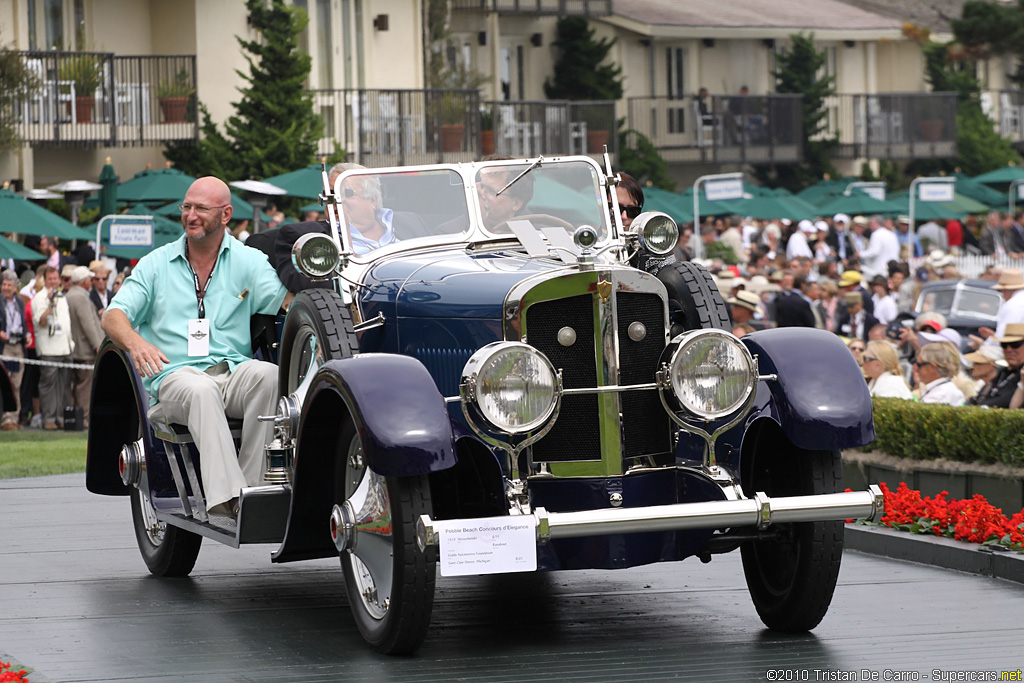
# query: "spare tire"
{"points": [[694, 300]]}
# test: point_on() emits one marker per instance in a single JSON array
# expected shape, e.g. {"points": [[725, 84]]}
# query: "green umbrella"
{"points": [[815, 193], [776, 207], [313, 206], [709, 208], [165, 185], [1001, 176], [11, 249], [305, 183], [22, 217], [926, 211], [858, 203], [108, 195], [670, 203], [989, 196]]}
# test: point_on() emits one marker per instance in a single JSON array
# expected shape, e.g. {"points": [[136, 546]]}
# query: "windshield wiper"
{"points": [[527, 170]]}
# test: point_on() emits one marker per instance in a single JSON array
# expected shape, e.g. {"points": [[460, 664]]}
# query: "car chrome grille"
{"points": [[576, 435]]}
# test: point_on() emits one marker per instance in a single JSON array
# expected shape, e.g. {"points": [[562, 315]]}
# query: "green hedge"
{"points": [[927, 431]]}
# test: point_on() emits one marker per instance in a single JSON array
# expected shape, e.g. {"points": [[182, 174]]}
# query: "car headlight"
{"points": [[712, 373], [657, 231], [513, 386], [315, 255]]}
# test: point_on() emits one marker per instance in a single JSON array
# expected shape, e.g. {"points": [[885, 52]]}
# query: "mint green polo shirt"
{"points": [[159, 298]]}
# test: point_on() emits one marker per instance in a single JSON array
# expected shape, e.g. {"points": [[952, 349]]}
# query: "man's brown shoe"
{"points": [[9, 426], [50, 426]]}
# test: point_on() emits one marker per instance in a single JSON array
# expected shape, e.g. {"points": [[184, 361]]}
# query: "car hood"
{"points": [[453, 283]]}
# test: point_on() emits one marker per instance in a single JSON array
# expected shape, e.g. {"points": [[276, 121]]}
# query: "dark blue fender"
{"points": [[403, 423], [118, 405], [820, 397], [8, 401]]}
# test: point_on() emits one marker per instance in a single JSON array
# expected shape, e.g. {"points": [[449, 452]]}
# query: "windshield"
{"points": [[971, 303], [549, 194], [388, 208]]}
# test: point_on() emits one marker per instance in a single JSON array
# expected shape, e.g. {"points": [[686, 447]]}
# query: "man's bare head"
{"points": [[207, 208]]}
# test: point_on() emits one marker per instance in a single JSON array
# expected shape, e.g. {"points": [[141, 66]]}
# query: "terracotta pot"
{"points": [[596, 140], [487, 142], [931, 129], [83, 109], [451, 136], [174, 109]]}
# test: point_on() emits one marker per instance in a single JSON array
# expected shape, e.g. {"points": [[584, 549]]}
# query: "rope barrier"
{"points": [[48, 363]]}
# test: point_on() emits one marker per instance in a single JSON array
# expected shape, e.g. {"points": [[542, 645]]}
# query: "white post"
{"points": [[697, 242], [1013, 194]]}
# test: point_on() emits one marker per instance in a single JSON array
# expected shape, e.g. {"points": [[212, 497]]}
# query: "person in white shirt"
{"points": [[52, 319], [883, 246], [885, 304], [797, 245], [934, 369], [881, 367], [1011, 286]]}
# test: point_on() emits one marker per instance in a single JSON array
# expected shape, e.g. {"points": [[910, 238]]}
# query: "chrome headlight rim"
{"points": [[471, 387], [686, 341], [303, 251], [656, 231]]}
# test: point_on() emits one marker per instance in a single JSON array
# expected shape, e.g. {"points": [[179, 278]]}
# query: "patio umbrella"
{"points": [[11, 249], [710, 208], [815, 193], [164, 185], [987, 195], [671, 203], [108, 195], [305, 183], [22, 217], [1001, 176], [858, 203], [926, 211], [776, 207]]}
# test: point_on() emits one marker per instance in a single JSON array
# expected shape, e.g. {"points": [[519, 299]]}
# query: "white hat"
{"points": [[945, 334], [822, 226], [841, 218], [786, 221], [80, 273], [806, 226]]}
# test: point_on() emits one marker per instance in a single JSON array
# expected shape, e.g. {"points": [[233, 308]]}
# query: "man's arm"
{"points": [[148, 359]]}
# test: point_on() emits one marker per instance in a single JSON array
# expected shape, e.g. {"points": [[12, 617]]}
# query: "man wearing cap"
{"points": [[743, 306], [1011, 310], [855, 322], [883, 246], [98, 294], [839, 237], [52, 322], [87, 335], [852, 281], [903, 237], [858, 226], [797, 244], [998, 381]]}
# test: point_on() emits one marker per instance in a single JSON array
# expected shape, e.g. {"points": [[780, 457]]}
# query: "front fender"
{"points": [[119, 404], [820, 397], [8, 401], [403, 423]]}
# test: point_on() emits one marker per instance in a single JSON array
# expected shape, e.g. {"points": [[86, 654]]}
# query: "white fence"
{"points": [[973, 265]]}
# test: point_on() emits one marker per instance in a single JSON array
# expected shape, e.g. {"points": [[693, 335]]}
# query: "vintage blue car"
{"points": [[514, 383]]}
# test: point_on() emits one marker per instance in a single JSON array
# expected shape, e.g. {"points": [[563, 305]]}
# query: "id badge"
{"points": [[199, 337]]}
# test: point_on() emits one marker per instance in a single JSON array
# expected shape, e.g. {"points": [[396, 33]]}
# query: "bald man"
{"points": [[191, 301]]}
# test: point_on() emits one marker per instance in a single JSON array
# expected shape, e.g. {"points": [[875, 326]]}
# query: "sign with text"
{"points": [[874, 192], [936, 192], [131, 234], [723, 190], [489, 545], [1020, 191]]}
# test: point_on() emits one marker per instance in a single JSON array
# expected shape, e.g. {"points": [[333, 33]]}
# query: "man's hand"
{"points": [[986, 332], [147, 359]]}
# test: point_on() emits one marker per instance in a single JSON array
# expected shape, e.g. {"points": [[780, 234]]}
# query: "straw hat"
{"points": [[744, 299], [1014, 332], [1011, 278], [850, 278]]}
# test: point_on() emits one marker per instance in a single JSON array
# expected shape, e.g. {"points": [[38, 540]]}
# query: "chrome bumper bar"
{"points": [[759, 511]]}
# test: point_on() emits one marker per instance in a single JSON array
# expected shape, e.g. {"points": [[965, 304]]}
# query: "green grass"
{"points": [[35, 453]]}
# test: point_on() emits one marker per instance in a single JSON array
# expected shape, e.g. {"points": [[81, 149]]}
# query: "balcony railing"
{"points": [[409, 127], [737, 129], [579, 8], [102, 99], [893, 125]]}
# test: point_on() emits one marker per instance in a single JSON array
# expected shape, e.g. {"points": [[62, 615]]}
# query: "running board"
{"points": [[262, 517]]}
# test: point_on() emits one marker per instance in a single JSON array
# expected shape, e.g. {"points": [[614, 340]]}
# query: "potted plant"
{"points": [[85, 72], [486, 130], [174, 95], [453, 121]]}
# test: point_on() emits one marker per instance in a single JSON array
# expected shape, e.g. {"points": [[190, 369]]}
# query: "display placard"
{"points": [[489, 545]]}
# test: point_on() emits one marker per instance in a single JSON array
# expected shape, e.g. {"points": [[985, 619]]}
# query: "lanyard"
{"points": [[201, 291]]}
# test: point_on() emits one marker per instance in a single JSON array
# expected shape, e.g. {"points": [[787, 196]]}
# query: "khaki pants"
{"points": [[81, 382], [53, 389], [10, 415], [201, 400]]}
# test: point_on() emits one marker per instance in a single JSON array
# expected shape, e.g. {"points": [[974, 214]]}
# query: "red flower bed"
{"points": [[974, 520], [7, 676]]}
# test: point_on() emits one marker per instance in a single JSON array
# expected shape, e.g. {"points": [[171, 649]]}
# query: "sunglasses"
{"points": [[868, 359], [920, 364], [1012, 345], [857, 348], [630, 211]]}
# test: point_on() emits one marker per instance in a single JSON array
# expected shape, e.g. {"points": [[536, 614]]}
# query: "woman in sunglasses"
{"points": [[936, 365], [631, 199], [881, 367]]}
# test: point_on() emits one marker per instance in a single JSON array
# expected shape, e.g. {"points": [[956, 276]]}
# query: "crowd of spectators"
{"points": [[51, 313], [852, 276]]}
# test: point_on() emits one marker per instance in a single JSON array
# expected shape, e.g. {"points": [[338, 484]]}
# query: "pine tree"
{"points": [[580, 71], [274, 129], [798, 73], [15, 80]]}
